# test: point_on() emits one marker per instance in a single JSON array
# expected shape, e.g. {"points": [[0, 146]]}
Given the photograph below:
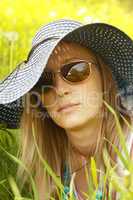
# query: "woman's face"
{"points": [[87, 94]]}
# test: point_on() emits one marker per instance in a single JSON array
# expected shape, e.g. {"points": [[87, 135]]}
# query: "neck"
{"points": [[84, 138]]}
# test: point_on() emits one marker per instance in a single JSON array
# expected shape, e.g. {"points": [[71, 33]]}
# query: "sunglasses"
{"points": [[73, 73]]}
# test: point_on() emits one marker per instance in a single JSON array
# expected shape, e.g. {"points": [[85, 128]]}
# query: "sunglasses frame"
{"points": [[59, 70], [75, 61]]}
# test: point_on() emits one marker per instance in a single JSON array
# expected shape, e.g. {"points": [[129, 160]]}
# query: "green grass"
{"points": [[10, 190], [19, 22]]}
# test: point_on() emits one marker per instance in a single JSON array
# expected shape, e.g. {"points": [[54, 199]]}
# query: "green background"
{"points": [[19, 21]]}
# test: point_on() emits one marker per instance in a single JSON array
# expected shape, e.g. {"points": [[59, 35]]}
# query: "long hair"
{"points": [[53, 142]]}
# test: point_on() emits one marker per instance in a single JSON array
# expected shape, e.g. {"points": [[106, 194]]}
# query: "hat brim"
{"points": [[112, 44]]}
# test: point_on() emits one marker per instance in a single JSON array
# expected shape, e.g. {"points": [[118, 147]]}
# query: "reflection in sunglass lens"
{"points": [[76, 72]]}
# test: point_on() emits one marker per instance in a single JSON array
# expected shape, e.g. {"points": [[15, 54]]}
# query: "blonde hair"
{"points": [[53, 142]]}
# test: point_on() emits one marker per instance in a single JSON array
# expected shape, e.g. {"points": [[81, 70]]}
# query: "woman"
{"points": [[61, 90]]}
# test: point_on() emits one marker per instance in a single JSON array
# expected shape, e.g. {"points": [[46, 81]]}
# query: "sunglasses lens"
{"points": [[73, 72], [76, 72], [45, 82]]}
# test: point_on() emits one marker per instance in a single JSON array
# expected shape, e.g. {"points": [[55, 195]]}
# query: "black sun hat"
{"points": [[113, 45]]}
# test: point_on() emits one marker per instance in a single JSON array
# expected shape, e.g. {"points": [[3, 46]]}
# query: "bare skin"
{"points": [[82, 123]]}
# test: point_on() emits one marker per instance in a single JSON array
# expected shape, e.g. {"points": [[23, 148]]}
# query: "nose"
{"points": [[62, 88]]}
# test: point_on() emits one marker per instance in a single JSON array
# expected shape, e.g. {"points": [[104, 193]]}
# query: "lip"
{"points": [[66, 106]]}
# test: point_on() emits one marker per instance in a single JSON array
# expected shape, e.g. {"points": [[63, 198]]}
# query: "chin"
{"points": [[68, 123], [73, 122]]}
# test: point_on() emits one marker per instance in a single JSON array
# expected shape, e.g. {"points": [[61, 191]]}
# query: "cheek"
{"points": [[49, 100], [93, 99], [92, 103], [92, 96], [92, 91]]}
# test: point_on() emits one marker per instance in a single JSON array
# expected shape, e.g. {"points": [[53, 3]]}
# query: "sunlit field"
{"points": [[19, 21]]}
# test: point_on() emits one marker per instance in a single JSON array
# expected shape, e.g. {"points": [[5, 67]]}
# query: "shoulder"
{"points": [[129, 144], [130, 140], [129, 136], [131, 151]]}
